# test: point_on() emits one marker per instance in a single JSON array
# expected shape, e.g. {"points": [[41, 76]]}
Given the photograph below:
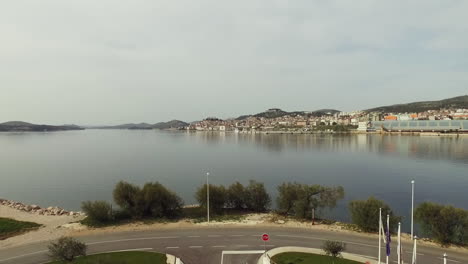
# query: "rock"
{"points": [[280, 222], [28, 208], [35, 207]]}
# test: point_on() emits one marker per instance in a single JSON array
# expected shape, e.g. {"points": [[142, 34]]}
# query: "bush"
{"points": [[66, 249], [98, 211], [257, 198], [126, 195], [333, 248], [300, 199], [236, 196], [157, 201], [218, 197], [365, 214], [153, 200], [446, 224]]}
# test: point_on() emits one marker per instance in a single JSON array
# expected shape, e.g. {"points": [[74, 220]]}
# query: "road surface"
{"points": [[241, 245]]}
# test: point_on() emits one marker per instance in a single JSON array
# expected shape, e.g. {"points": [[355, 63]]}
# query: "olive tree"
{"points": [[66, 249], [218, 197], [333, 248], [97, 211], [236, 196], [257, 197], [446, 224], [365, 214]]}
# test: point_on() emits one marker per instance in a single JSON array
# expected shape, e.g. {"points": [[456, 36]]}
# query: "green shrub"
{"points": [[333, 248], [257, 198], [446, 224], [66, 249], [126, 195], [218, 197], [299, 199], [365, 214], [98, 211], [236, 196]]}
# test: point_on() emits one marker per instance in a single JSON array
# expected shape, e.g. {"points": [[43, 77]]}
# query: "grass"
{"points": [[305, 258], [10, 227], [129, 257]]}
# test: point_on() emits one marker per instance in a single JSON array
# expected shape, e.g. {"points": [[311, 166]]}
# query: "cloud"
{"points": [[111, 61]]}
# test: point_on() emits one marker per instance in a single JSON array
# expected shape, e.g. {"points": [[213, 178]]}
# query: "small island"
{"points": [[18, 126]]}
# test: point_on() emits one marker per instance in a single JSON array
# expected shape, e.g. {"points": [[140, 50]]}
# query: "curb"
{"points": [[265, 259], [171, 259]]}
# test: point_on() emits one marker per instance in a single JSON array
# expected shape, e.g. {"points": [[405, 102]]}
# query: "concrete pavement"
{"points": [[205, 245]]}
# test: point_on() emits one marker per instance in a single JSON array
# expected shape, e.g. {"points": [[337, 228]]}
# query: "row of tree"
{"points": [[446, 224]]}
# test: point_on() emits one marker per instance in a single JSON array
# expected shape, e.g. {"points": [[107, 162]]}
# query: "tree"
{"points": [[97, 211], [333, 248], [301, 199], [236, 196], [446, 224], [66, 249], [365, 214], [126, 195], [257, 198], [218, 197], [157, 201]]}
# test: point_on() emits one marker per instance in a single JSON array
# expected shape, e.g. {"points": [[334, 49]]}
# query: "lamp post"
{"points": [[412, 209], [445, 258], [207, 197]]}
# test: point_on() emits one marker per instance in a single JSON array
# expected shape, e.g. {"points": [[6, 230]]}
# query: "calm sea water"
{"points": [[65, 168]]}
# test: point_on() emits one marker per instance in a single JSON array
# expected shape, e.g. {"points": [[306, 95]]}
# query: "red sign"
{"points": [[265, 237]]}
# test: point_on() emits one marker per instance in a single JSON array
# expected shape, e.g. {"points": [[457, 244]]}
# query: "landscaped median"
{"points": [[126, 257], [302, 255]]}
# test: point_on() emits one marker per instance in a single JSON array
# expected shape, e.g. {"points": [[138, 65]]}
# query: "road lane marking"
{"points": [[237, 235], [171, 247], [129, 239], [24, 255], [195, 246], [193, 236], [241, 245], [125, 250], [241, 252], [214, 235], [218, 246]]}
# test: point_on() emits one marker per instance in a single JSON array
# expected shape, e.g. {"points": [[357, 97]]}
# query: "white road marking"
{"points": [[24, 255], [218, 246], [193, 236], [125, 250], [240, 252], [195, 246], [214, 235], [241, 245], [129, 239], [171, 247], [237, 235]]}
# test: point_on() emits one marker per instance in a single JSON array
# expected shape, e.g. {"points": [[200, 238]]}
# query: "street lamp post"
{"points": [[412, 209], [207, 197], [445, 258]]}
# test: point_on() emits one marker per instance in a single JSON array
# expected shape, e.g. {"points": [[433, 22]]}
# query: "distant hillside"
{"points": [[455, 102], [160, 125], [276, 112], [19, 126], [170, 124]]}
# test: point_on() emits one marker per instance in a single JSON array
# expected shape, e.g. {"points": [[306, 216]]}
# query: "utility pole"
{"points": [[412, 209], [208, 197]]}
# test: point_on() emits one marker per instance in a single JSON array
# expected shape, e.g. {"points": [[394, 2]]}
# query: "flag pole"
{"points": [[380, 233], [388, 232], [399, 243]]}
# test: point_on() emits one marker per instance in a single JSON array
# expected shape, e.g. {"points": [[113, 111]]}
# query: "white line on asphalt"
{"points": [[266, 245], [195, 246], [237, 235], [241, 252], [125, 250], [193, 236], [241, 245], [214, 235], [218, 246], [172, 247], [129, 239], [24, 255]]}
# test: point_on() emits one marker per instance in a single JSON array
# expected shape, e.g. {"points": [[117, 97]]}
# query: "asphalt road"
{"points": [[241, 245]]}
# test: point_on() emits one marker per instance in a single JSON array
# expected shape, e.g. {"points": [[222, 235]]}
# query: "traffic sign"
{"points": [[265, 237]]}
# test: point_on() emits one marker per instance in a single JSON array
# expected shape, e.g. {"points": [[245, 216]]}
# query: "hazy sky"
{"points": [[109, 62]]}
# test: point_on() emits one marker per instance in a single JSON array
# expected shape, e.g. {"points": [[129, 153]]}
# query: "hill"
{"points": [[455, 102], [161, 125], [276, 112], [19, 126]]}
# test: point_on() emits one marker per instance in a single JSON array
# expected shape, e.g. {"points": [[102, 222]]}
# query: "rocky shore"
{"points": [[35, 209]]}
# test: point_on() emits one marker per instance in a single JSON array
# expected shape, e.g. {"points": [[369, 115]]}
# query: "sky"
{"points": [[109, 62]]}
